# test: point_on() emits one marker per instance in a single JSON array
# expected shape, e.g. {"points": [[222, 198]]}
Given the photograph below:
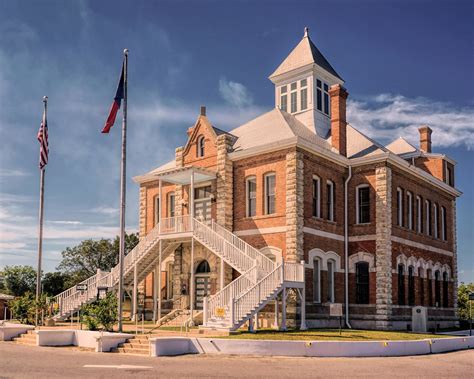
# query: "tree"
{"points": [[83, 260], [463, 300], [23, 308], [102, 312], [19, 280], [54, 283]]}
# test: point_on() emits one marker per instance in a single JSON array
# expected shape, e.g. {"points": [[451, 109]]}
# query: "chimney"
{"points": [[338, 118], [425, 138], [203, 110]]}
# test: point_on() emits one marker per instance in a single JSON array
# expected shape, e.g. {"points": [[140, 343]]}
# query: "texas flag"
{"points": [[115, 105]]}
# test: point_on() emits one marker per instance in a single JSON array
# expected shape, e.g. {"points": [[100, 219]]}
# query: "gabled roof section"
{"points": [[305, 53], [272, 127], [401, 146], [359, 145]]}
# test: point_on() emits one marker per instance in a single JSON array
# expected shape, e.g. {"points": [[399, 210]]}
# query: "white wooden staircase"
{"points": [[260, 281]]}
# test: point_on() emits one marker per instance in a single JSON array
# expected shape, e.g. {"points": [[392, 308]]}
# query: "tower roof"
{"points": [[305, 53]]}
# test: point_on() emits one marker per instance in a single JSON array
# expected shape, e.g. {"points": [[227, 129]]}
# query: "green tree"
{"points": [[54, 283], [23, 308], [83, 260], [19, 280], [463, 300], [102, 312]]}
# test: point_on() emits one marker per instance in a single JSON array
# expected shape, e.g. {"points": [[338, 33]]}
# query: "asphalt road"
{"points": [[17, 361]]}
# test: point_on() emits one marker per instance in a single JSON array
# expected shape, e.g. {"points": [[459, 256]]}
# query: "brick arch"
{"points": [[272, 251], [324, 257]]}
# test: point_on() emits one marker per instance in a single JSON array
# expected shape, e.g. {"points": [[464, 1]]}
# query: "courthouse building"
{"points": [[296, 210]]}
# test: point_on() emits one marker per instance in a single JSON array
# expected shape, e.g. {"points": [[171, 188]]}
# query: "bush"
{"points": [[23, 308], [101, 313]]}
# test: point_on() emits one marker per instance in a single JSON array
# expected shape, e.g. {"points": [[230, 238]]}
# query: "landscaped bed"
{"points": [[332, 335]]}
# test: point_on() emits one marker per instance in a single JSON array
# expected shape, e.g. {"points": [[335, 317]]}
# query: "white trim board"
{"points": [[421, 246], [251, 232]]}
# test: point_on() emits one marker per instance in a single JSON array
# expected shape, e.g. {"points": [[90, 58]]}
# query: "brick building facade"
{"points": [[375, 225]]}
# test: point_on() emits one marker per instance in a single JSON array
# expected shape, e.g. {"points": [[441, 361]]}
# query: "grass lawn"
{"points": [[331, 335]]}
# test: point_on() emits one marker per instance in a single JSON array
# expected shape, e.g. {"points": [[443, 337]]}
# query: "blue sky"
{"points": [[405, 63]]}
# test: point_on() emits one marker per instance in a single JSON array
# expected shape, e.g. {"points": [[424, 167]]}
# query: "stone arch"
{"points": [[324, 257], [402, 260], [361, 256], [446, 269], [273, 253]]}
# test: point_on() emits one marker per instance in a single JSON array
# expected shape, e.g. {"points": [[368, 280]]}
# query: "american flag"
{"points": [[43, 140]]}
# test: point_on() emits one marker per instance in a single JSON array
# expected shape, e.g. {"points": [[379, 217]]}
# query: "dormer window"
{"points": [[322, 96], [304, 94], [283, 99], [200, 146]]}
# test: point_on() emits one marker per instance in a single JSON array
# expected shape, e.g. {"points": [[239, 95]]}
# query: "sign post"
{"points": [[335, 310]]}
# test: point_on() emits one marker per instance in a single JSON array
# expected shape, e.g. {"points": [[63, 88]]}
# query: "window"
{"points": [[428, 217], [316, 196], [156, 212], [283, 99], [322, 93], [449, 178], [330, 191], [430, 288], [363, 204], [399, 207], [445, 290], [362, 283], [200, 146], [401, 285], [270, 194], [331, 265], [419, 215], [171, 204], [202, 192], [421, 286], [437, 289], [303, 94], [203, 268], [326, 99], [435, 220], [411, 285], [444, 228], [251, 190], [294, 101], [317, 280], [410, 210]]}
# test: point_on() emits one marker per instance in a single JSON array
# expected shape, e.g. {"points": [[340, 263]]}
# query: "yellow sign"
{"points": [[220, 312]]}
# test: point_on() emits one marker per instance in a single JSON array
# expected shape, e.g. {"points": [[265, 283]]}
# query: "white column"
{"points": [[283, 311], [191, 292], [222, 273], [135, 292], [191, 195], [303, 300], [275, 325], [159, 280], [155, 293], [159, 205]]}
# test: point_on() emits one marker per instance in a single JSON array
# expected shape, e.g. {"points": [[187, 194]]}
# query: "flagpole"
{"points": [[123, 190], [40, 228]]}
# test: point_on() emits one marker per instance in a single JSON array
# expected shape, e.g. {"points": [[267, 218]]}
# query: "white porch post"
{"points": [[155, 294], [135, 292], [303, 301], [159, 280], [283, 310], [275, 325], [159, 205], [191, 294], [191, 196], [222, 274]]}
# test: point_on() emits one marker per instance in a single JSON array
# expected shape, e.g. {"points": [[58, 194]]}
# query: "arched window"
{"points": [[429, 278], [316, 196], [203, 268], [445, 290], [419, 215], [399, 206], [363, 204], [409, 210], [437, 289], [330, 274], [251, 196], [411, 285], [156, 209], [421, 286], [317, 280], [200, 146], [171, 203], [362, 283], [435, 220], [270, 181], [401, 285], [330, 196]]}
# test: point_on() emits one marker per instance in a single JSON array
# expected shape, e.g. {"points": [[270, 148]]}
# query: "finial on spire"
{"points": [[306, 32]]}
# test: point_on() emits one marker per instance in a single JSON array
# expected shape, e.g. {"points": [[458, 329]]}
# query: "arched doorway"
{"points": [[203, 283]]}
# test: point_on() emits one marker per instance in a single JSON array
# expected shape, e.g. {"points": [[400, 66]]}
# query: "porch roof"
{"points": [[182, 175]]}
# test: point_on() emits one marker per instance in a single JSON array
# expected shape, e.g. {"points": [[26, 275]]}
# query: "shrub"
{"points": [[101, 313]]}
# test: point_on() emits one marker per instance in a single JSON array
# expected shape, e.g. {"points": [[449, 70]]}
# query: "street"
{"points": [[17, 361]]}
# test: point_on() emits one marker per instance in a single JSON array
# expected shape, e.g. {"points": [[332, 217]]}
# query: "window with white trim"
{"points": [[410, 210], [269, 180], [200, 146], [322, 97], [428, 217], [435, 220], [449, 178], [419, 215], [363, 204], [316, 280], [316, 196], [362, 283], [330, 191], [171, 203], [444, 228], [284, 98], [251, 196], [331, 264], [399, 206], [293, 97], [156, 213], [303, 94]]}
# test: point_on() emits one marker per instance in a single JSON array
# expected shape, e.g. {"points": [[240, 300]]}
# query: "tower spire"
{"points": [[306, 32]]}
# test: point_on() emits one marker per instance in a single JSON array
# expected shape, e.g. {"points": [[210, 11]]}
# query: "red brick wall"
{"points": [[210, 150], [152, 191]]}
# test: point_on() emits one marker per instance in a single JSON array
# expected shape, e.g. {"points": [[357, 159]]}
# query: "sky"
{"points": [[405, 63]]}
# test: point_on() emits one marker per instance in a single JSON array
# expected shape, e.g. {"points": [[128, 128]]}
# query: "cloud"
{"points": [[4, 172], [104, 210], [386, 117], [234, 93], [66, 222]]}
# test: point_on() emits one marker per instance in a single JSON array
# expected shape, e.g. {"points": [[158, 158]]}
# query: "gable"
{"points": [[202, 129]]}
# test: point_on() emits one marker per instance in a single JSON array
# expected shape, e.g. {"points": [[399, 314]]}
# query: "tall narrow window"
{"points": [[319, 95], [449, 180], [419, 215], [330, 200], [317, 280], [362, 283], [316, 196], [304, 94], [444, 228], [294, 98], [283, 99], [399, 207], [435, 220], [270, 194], [421, 286], [429, 278], [437, 289], [445, 290], [156, 205], [326, 98], [410, 210], [331, 265], [200, 146], [251, 192], [411, 285], [171, 204], [363, 204], [428, 217], [401, 285]]}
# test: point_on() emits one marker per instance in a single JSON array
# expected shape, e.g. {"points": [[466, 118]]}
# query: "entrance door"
{"points": [[202, 203], [202, 284]]}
